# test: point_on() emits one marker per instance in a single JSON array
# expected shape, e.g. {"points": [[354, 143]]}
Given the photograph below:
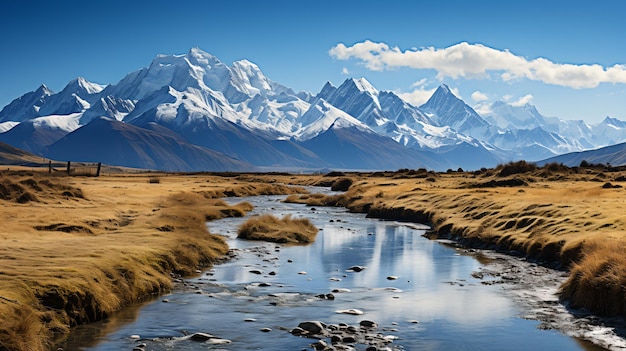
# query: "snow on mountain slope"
{"points": [[321, 116], [523, 126], [66, 123], [35, 134], [27, 106], [108, 106], [6, 126], [446, 109], [277, 114], [77, 96], [508, 116]]}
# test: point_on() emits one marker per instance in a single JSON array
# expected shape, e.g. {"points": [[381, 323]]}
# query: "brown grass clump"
{"points": [[597, 281], [285, 230], [515, 168], [341, 184]]}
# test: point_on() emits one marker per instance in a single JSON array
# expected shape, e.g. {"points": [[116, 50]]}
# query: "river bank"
{"points": [[565, 218], [409, 292], [76, 249]]}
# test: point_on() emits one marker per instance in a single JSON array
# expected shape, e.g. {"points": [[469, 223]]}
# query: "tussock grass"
{"points": [[90, 246], [285, 230], [597, 281]]}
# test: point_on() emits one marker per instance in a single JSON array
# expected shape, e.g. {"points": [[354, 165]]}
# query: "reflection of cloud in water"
{"points": [[472, 307]]}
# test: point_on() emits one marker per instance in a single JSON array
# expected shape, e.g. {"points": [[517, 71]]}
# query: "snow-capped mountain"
{"points": [[446, 109], [525, 128], [193, 106], [27, 106]]}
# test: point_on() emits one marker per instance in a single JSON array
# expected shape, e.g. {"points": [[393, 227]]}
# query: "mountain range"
{"points": [[192, 112]]}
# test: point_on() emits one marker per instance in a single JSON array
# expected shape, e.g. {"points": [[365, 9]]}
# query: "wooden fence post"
{"points": [[68, 167], [98, 170], [50, 167]]}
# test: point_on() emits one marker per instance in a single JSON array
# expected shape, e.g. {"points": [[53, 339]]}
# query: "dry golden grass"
{"points": [[82, 248], [86, 247], [285, 230], [562, 217]]}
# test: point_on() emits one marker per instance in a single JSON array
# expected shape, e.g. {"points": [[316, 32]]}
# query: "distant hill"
{"points": [[10, 155], [614, 155]]}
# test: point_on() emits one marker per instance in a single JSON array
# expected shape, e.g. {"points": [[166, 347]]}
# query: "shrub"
{"points": [[515, 168], [341, 184]]}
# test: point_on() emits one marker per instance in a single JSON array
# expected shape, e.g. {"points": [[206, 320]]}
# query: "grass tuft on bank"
{"points": [[284, 230]]}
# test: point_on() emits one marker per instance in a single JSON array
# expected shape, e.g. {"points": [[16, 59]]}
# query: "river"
{"points": [[422, 295]]}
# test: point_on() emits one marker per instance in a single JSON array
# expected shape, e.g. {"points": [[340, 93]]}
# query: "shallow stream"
{"points": [[422, 294]]}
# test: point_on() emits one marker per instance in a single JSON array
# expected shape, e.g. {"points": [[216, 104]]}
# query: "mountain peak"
{"points": [[197, 52], [327, 90], [43, 90], [442, 94], [81, 84], [608, 120], [364, 85], [444, 89], [202, 58]]}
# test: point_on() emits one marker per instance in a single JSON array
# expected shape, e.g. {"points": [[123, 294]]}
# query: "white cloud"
{"points": [[345, 71], [419, 83], [476, 61], [479, 96], [417, 97], [527, 99], [483, 109], [507, 97]]}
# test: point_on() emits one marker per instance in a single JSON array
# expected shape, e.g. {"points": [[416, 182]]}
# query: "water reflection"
{"points": [[434, 286]]}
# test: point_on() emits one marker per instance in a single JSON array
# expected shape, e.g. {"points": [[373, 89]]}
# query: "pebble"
{"points": [[352, 311], [343, 336], [356, 268]]}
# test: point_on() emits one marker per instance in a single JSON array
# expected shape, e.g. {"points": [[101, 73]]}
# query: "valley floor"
{"points": [[76, 249]]}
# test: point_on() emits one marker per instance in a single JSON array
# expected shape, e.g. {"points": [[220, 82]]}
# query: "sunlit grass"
{"points": [[284, 230]]}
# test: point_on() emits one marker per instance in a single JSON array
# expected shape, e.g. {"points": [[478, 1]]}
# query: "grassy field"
{"points": [[77, 249]]}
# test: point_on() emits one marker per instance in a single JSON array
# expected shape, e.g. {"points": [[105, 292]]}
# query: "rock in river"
{"points": [[312, 327]]}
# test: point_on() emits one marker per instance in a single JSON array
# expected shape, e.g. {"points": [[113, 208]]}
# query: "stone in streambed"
{"points": [[356, 268], [352, 311], [368, 324], [312, 327], [201, 337]]}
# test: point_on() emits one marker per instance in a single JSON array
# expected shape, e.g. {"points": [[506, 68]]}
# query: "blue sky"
{"points": [[565, 57]]}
